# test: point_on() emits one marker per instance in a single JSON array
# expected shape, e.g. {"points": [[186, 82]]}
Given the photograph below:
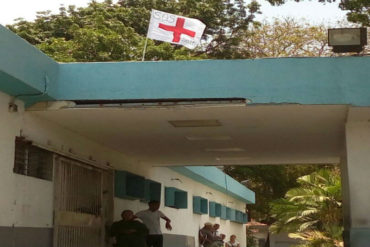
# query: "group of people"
{"points": [[209, 236], [144, 230], [140, 230]]}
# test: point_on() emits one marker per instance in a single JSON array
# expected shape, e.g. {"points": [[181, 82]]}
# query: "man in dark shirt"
{"points": [[206, 236], [129, 232]]}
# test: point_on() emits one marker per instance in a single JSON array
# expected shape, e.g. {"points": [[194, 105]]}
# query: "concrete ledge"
{"points": [[339, 80], [218, 180]]}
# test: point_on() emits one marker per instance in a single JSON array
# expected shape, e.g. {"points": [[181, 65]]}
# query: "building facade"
{"points": [[152, 124], [48, 172]]}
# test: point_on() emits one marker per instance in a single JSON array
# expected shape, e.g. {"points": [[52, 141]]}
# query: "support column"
{"points": [[356, 178]]}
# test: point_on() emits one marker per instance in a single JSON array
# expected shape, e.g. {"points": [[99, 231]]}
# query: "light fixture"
{"points": [[347, 39], [234, 149], [208, 138], [232, 160], [195, 123]]}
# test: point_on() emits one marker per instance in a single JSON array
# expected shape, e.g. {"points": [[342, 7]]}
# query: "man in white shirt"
{"points": [[151, 218]]}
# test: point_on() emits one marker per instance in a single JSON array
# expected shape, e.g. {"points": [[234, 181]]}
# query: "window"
{"points": [[200, 205], [215, 209], [223, 212], [176, 198], [128, 185], [239, 216], [228, 213], [245, 218], [218, 209], [32, 161], [152, 191], [232, 215]]}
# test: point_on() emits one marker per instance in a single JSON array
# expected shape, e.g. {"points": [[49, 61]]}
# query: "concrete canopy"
{"points": [[287, 110], [268, 111], [296, 111], [246, 134]]}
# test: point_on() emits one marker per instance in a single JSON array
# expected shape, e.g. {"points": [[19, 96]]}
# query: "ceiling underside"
{"points": [[257, 134]]}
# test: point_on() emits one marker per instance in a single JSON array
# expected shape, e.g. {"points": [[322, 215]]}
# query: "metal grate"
{"points": [[79, 208], [32, 161], [80, 190], [78, 236]]}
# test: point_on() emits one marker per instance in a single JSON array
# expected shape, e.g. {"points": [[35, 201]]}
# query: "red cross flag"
{"points": [[175, 29]]}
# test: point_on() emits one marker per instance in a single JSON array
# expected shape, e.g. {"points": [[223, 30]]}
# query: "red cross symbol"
{"points": [[178, 29]]}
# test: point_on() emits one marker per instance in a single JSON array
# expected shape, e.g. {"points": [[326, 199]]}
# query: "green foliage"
{"points": [[269, 182], [287, 38], [251, 239], [359, 10], [115, 32], [313, 211]]}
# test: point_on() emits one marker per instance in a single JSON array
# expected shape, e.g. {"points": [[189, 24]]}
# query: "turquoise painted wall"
{"points": [[342, 80], [338, 80], [25, 70]]}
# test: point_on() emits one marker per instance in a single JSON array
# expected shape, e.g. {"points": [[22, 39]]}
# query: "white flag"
{"points": [[175, 29]]}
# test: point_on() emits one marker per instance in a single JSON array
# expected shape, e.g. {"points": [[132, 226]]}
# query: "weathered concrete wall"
{"points": [[25, 201], [358, 171]]}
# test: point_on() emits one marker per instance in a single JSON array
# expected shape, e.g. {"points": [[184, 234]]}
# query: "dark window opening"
{"points": [[32, 161]]}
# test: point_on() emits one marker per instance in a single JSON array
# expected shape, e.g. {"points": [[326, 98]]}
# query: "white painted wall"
{"points": [[9, 127], [358, 165], [25, 201], [28, 201], [184, 222]]}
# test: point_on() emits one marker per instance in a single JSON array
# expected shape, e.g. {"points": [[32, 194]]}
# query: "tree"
{"points": [[359, 10], [269, 182], [287, 38], [113, 32], [313, 211]]}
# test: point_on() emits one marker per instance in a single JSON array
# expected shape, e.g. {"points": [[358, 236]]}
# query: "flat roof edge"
{"points": [[218, 180]]}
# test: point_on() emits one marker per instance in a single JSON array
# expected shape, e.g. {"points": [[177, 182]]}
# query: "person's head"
{"points": [[216, 227], [153, 205], [208, 225], [232, 238], [127, 215]]}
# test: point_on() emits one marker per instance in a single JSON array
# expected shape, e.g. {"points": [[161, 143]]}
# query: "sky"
{"points": [[311, 10]]}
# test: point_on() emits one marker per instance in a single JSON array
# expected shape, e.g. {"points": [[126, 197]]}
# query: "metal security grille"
{"points": [[79, 213], [32, 161], [78, 236]]}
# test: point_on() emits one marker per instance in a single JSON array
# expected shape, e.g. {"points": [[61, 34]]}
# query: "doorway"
{"points": [[83, 203]]}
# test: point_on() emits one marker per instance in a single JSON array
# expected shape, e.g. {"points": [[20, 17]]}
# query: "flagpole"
{"points": [[146, 43], [146, 40]]}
